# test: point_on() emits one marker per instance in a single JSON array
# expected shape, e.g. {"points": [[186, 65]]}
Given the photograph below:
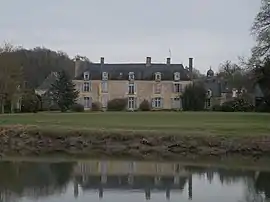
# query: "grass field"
{"points": [[170, 122]]}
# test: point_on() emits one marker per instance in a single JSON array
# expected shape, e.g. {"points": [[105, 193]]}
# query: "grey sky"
{"points": [[211, 31]]}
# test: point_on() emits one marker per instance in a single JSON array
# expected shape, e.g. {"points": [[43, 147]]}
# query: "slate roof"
{"points": [[216, 85], [258, 91], [46, 84], [141, 71]]}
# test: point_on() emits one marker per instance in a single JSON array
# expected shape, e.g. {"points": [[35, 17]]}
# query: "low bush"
{"points": [[77, 108], [263, 107], [216, 108], [96, 106], [237, 105], [30, 102], [145, 106], [119, 104], [54, 107]]}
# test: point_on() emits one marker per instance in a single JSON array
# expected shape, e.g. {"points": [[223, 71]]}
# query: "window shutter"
{"points": [[153, 102], [135, 103], [81, 87], [135, 88], [81, 101], [161, 103], [173, 89]]}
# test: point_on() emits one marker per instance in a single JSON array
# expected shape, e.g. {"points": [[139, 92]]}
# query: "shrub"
{"points": [[194, 97], [237, 105], [96, 106], [263, 107], [77, 108], [30, 102], [216, 108], [145, 106], [118, 104], [54, 107]]}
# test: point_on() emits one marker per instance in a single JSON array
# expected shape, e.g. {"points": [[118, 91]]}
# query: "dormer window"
{"points": [[209, 93], [157, 76], [86, 76], [177, 76], [104, 75], [131, 76]]}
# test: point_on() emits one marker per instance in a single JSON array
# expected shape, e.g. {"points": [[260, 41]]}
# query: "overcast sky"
{"points": [[211, 31]]}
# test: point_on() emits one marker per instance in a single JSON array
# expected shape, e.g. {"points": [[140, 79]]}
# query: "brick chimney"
{"points": [[77, 67], [102, 60], [190, 67], [148, 61], [168, 62]]}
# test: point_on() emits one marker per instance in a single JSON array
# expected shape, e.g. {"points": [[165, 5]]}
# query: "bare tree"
{"points": [[10, 78], [261, 30]]}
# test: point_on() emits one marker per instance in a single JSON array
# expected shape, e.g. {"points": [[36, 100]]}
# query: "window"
{"points": [[209, 93], [104, 75], [131, 88], [104, 101], [131, 76], [177, 88], [86, 86], [86, 75], [156, 103], [158, 76], [87, 102], [104, 87], [177, 76], [131, 103], [131, 167], [208, 103], [157, 88]]}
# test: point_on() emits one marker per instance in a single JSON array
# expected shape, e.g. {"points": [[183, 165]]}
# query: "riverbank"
{"points": [[38, 141]]}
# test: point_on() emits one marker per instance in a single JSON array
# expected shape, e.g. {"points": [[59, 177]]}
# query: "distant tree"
{"points": [[194, 98], [235, 75], [261, 30], [30, 101], [262, 77], [11, 82], [64, 92], [39, 61], [197, 74], [260, 60]]}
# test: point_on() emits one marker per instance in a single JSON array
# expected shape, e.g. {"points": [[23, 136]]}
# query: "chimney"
{"points": [[102, 60], [77, 67], [168, 61], [148, 61], [190, 67]]}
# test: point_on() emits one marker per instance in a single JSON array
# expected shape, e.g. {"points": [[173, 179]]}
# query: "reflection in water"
{"points": [[30, 181]]}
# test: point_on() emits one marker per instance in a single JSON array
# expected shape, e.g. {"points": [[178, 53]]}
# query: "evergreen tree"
{"points": [[63, 92], [194, 98]]}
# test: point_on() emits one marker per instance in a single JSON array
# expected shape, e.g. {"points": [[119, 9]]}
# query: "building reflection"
{"points": [[40, 180], [144, 176]]}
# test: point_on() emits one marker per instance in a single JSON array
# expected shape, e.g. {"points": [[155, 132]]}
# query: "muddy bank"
{"points": [[31, 141]]}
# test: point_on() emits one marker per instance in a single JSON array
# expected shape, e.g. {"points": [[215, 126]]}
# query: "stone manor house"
{"points": [[162, 84]]}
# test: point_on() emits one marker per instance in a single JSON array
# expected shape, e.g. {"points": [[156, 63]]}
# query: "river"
{"points": [[133, 181]]}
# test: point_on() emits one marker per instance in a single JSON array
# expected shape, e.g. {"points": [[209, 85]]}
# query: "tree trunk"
{"points": [[11, 107], [2, 109]]}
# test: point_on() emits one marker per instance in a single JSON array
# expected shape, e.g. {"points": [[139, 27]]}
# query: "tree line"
{"points": [[23, 70]]}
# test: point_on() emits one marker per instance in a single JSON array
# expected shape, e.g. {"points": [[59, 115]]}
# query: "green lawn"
{"points": [[176, 122]]}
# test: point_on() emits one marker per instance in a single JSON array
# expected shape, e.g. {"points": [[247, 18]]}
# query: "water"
{"points": [[116, 181]]}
